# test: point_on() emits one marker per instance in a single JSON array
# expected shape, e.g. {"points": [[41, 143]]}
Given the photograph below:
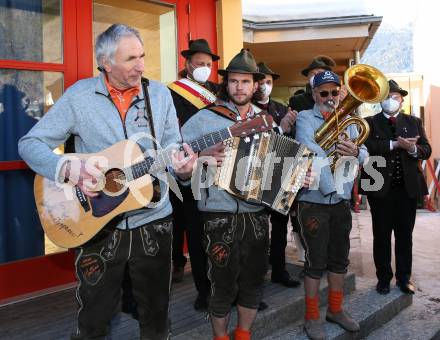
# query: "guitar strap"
{"points": [[156, 184], [145, 82]]}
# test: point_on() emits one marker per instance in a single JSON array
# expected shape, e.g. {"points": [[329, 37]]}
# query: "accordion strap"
{"points": [[223, 111]]}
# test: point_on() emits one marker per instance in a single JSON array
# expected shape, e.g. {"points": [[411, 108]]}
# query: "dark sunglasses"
{"points": [[325, 94]]}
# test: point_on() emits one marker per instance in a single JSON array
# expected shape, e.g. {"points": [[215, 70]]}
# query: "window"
{"points": [[156, 24]]}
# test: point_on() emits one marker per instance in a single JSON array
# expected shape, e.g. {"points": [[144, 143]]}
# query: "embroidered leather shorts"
{"points": [[325, 235], [237, 249]]}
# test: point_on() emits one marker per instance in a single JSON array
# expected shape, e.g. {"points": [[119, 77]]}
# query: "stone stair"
{"points": [[419, 321], [285, 306], [367, 307], [284, 317]]}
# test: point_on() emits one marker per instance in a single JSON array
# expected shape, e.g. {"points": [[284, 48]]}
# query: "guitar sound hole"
{"points": [[114, 180]]}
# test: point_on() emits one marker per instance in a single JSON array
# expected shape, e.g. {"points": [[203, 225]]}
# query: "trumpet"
{"points": [[365, 84]]}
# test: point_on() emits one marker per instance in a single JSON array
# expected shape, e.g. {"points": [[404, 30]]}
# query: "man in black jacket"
{"points": [[285, 118], [393, 183], [304, 101], [191, 93], [196, 91]]}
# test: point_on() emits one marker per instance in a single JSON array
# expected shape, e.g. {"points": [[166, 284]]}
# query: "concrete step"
{"points": [[367, 307], [285, 306], [419, 321]]}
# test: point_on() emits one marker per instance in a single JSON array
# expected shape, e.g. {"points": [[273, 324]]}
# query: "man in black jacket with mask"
{"points": [[397, 183], [285, 118], [192, 92]]}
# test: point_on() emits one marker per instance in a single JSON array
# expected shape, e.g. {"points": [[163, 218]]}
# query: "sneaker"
{"points": [[178, 273], [314, 329], [344, 320]]}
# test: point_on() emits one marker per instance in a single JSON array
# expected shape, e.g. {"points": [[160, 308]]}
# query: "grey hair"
{"points": [[107, 42]]}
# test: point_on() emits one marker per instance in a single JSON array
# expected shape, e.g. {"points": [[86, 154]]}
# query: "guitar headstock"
{"points": [[252, 125]]}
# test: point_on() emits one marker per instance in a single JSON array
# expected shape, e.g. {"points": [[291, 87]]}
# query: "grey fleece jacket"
{"points": [[213, 199], [87, 112]]}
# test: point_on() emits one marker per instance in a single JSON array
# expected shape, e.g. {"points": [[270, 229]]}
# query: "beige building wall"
{"points": [[229, 30], [426, 52]]}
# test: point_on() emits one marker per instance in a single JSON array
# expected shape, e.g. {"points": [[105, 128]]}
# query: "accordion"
{"points": [[265, 168]]}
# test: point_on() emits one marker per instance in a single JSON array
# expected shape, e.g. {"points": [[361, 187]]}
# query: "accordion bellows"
{"points": [[265, 168]]}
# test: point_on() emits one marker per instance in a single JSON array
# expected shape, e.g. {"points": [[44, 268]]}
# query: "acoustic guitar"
{"points": [[70, 218]]}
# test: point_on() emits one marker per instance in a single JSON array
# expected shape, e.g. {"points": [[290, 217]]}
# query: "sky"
{"points": [[396, 13]]}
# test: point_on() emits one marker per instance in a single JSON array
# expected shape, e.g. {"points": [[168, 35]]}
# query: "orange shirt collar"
{"points": [[131, 92], [122, 99]]}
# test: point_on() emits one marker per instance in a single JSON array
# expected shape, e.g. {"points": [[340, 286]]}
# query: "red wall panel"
{"points": [[203, 24]]}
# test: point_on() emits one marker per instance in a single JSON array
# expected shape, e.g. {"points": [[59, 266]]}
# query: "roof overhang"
{"points": [[288, 46]]}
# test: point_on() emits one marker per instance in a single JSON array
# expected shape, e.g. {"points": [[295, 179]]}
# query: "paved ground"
{"points": [[424, 314]]}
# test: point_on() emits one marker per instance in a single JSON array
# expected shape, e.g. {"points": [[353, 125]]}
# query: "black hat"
{"points": [[263, 68], [199, 45], [394, 87], [243, 62], [320, 61]]}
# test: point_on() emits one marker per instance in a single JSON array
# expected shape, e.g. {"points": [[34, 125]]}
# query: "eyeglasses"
{"points": [[325, 94]]}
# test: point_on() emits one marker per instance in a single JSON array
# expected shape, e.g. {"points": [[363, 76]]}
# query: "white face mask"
{"points": [[266, 89], [390, 105], [201, 74]]}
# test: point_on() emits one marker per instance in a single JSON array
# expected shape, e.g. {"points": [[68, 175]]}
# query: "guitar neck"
{"points": [[163, 157]]}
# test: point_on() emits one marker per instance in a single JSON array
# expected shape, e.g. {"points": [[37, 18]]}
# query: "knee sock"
{"points": [[312, 308], [223, 337], [335, 301], [241, 334]]}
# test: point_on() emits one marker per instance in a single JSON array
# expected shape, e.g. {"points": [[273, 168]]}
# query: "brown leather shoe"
{"points": [[344, 320], [407, 287], [314, 329]]}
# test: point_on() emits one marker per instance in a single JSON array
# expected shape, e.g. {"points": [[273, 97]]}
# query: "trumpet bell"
{"points": [[366, 83]]}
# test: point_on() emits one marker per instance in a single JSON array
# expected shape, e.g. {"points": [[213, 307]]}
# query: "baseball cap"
{"points": [[325, 77]]}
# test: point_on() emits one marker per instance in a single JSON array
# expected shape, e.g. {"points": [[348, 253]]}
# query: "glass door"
{"points": [[47, 45], [156, 23]]}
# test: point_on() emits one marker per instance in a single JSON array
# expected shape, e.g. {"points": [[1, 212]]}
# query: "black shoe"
{"points": [[130, 307], [383, 287], [201, 303], [285, 279], [177, 275], [406, 286], [262, 306]]}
